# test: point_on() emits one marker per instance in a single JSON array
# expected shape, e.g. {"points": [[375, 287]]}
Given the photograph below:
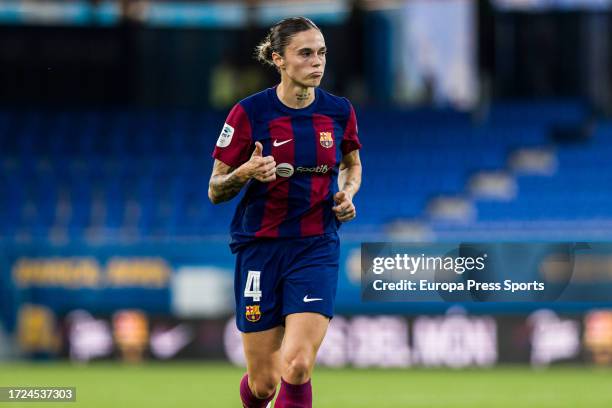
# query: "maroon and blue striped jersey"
{"points": [[307, 145]]}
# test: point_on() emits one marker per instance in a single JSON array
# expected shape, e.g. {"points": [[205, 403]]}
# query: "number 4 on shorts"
{"points": [[252, 288]]}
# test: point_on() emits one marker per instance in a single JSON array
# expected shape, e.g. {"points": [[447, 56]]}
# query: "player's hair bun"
{"points": [[264, 51]]}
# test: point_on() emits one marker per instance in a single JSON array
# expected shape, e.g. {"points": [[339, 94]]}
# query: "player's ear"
{"points": [[278, 60]]}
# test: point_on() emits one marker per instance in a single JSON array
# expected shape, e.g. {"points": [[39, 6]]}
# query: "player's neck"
{"points": [[295, 96]]}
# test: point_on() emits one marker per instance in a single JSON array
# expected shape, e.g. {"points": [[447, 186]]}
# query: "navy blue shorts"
{"points": [[277, 277]]}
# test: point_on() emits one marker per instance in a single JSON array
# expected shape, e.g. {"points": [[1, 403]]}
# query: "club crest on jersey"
{"points": [[326, 139], [253, 314]]}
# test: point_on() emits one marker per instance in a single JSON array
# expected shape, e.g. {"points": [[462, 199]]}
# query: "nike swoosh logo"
{"points": [[307, 299], [277, 143]]}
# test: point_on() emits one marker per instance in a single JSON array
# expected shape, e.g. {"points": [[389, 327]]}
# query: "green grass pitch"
{"points": [[204, 385]]}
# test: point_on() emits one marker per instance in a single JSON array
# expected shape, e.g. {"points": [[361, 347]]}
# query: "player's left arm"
{"points": [[349, 181]]}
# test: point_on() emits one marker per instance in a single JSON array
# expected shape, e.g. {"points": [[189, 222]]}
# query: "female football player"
{"points": [[295, 149]]}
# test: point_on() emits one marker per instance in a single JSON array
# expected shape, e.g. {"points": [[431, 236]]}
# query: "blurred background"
{"points": [[481, 120]]}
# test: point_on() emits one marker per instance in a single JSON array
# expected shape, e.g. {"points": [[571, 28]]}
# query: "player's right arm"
{"points": [[226, 182]]}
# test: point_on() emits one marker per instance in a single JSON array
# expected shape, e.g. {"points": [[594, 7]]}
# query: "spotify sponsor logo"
{"points": [[284, 170]]}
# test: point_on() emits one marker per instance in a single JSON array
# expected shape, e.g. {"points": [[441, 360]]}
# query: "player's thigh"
{"points": [[262, 352], [311, 280], [257, 287], [304, 333]]}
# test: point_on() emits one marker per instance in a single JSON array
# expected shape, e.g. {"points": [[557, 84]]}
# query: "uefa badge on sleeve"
{"points": [[326, 139], [253, 314]]}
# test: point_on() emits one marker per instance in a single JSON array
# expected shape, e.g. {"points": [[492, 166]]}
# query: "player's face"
{"points": [[304, 60]]}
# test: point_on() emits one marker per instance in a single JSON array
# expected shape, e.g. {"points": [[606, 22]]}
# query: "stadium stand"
{"points": [[71, 175]]}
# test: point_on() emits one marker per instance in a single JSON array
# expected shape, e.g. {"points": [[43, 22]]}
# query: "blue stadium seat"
{"points": [[150, 168]]}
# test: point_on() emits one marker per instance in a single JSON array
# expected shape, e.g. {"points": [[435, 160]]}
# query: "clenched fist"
{"points": [[344, 208]]}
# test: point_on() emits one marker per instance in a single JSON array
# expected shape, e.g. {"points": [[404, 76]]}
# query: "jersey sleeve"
{"points": [[350, 141], [234, 143]]}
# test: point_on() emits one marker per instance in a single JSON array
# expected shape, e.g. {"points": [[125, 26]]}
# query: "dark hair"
{"points": [[279, 37]]}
